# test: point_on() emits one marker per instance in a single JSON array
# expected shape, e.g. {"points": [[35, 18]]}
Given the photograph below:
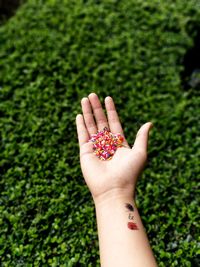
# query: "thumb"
{"points": [[141, 141]]}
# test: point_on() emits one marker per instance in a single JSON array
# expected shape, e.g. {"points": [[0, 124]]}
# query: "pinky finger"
{"points": [[83, 135]]}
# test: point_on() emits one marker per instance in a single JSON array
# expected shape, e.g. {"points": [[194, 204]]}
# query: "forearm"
{"points": [[122, 237], [123, 241]]}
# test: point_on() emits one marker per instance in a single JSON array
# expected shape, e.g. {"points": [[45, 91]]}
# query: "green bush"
{"points": [[52, 53]]}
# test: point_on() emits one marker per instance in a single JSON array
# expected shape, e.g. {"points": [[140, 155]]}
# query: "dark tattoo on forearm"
{"points": [[131, 225], [130, 216], [129, 207]]}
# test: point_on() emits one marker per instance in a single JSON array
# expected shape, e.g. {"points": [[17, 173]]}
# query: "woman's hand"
{"points": [[122, 237], [117, 176]]}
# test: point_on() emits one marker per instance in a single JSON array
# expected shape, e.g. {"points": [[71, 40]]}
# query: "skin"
{"points": [[112, 185]]}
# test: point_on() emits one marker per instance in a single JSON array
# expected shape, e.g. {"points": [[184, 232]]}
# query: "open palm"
{"points": [[121, 172]]}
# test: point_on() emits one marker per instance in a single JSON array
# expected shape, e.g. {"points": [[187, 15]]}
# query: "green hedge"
{"points": [[52, 53]]}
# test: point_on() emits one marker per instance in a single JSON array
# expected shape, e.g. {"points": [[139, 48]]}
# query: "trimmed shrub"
{"points": [[52, 54]]}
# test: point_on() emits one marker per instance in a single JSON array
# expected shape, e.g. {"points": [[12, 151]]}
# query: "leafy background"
{"points": [[53, 53]]}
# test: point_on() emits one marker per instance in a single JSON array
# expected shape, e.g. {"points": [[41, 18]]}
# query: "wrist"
{"points": [[115, 195]]}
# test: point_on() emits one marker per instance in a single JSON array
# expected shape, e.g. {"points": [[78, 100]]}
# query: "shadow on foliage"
{"points": [[191, 62], [8, 8]]}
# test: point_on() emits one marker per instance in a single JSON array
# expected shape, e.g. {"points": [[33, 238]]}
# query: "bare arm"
{"points": [[122, 238]]}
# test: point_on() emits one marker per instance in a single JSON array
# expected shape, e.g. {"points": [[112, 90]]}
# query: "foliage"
{"points": [[52, 54]]}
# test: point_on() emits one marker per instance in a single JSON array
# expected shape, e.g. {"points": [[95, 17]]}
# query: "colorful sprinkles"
{"points": [[106, 143]]}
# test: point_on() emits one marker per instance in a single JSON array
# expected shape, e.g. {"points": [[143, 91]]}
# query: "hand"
{"points": [[118, 175]]}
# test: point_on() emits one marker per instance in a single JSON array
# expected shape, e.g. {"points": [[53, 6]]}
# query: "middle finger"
{"points": [[98, 112]]}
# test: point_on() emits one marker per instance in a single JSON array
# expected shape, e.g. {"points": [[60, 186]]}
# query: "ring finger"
{"points": [[88, 116]]}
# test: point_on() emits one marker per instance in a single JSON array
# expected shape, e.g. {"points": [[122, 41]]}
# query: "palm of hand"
{"points": [[122, 170]]}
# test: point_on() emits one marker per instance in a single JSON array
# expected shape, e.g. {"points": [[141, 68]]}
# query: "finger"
{"points": [[83, 135], [113, 119], [88, 116], [98, 112], [141, 141]]}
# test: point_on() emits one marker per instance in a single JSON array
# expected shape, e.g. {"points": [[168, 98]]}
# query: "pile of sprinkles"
{"points": [[106, 143]]}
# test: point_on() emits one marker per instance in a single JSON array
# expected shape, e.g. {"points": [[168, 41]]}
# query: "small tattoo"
{"points": [[130, 216], [132, 226], [129, 207]]}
